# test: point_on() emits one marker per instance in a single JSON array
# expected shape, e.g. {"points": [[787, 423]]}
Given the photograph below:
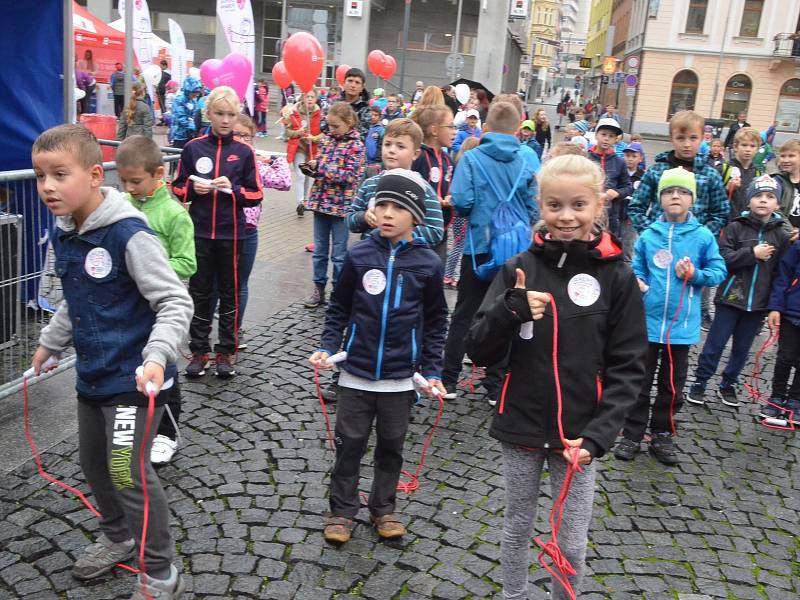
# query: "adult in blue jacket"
{"points": [[496, 171]]}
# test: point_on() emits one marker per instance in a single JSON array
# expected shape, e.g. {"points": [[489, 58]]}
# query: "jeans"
{"points": [[247, 259], [728, 321], [330, 237], [471, 291], [614, 213], [119, 104], [301, 184], [261, 121], [665, 406], [628, 237], [456, 250], [788, 358], [356, 410]]}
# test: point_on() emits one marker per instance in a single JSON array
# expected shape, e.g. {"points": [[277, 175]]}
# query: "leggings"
{"points": [[522, 470]]}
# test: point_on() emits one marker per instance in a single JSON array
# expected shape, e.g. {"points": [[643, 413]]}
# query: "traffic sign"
{"points": [[604, 79], [631, 81], [633, 62], [619, 77], [454, 63], [630, 91]]}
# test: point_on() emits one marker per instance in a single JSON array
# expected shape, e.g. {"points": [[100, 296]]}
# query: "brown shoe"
{"points": [[337, 529], [388, 526]]}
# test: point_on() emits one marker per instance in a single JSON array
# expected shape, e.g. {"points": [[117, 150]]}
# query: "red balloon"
{"points": [[375, 62], [303, 56], [280, 75], [341, 71], [389, 67]]}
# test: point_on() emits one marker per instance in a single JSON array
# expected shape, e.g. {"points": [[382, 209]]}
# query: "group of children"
{"points": [[537, 321]]}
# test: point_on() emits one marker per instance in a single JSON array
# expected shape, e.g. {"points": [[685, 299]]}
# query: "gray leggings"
{"points": [[523, 471]]}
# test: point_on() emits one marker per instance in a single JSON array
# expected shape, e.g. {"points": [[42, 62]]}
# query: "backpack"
{"points": [[509, 231]]}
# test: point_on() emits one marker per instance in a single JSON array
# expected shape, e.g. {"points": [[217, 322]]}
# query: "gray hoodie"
{"points": [[148, 265]]}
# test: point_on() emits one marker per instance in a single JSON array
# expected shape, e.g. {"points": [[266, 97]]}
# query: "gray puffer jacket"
{"points": [[140, 124]]}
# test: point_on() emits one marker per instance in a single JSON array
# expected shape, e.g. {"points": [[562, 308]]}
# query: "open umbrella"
{"points": [[474, 85]]}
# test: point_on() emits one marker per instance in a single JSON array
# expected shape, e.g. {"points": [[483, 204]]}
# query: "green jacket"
{"points": [[174, 228]]}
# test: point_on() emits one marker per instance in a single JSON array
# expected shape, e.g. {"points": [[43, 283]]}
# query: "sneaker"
{"points": [[451, 388], [163, 450], [626, 449], [466, 360], [663, 448], [695, 395], [728, 396], [225, 368], [148, 588], [300, 210], [241, 341], [316, 299], [197, 366], [492, 397], [772, 411], [705, 323], [792, 410], [329, 393], [101, 557], [309, 247]]}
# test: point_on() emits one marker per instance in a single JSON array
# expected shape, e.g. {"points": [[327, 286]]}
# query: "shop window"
{"points": [[683, 94], [737, 97], [751, 18], [696, 17], [788, 113]]}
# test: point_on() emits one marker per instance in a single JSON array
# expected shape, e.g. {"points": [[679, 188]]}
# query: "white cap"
{"points": [[473, 113], [609, 123]]}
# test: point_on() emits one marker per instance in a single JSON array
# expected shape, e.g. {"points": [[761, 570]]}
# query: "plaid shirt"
{"points": [[711, 205]]}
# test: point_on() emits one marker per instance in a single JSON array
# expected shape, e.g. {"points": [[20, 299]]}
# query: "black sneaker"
{"points": [[626, 449], [316, 299], [300, 210], [663, 449], [728, 396], [792, 410], [773, 410], [705, 323], [197, 365], [241, 340], [225, 368], [330, 392], [695, 395]]}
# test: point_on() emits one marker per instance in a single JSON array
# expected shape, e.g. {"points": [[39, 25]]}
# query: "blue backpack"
{"points": [[509, 231]]}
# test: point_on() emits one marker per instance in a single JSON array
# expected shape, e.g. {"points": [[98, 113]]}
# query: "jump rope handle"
{"points": [[526, 330], [50, 362], [198, 179], [149, 387], [421, 382], [336, 358]]}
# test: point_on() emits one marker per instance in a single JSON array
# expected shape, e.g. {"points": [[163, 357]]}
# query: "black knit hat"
{"points": [[405, 188]]}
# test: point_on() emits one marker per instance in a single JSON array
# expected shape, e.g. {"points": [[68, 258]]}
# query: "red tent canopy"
{"points": [[104, 44]]}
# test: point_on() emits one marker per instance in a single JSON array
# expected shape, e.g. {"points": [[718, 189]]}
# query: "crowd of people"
{"points": [[582, 274]]}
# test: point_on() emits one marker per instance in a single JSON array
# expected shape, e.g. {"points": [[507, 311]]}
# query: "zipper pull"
{"points": [[562, 259]]}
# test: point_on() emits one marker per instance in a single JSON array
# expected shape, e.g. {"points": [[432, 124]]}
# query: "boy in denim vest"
{"points": [[123, 306]]}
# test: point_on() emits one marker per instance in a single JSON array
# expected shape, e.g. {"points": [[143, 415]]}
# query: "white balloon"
{"points": [[152, 74], [462, 93], [194, 72]]}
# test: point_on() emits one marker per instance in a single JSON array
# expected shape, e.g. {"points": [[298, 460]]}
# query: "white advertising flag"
{"points": [[142, 32], [178, 42], [236, 17]]}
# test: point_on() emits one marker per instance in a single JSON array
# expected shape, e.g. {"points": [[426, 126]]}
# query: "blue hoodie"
{"points": [[184, 110], [473, 194], [657, 251], [463, 133]]}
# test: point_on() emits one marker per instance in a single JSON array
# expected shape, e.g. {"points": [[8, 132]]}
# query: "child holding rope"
{"points": [[673, 259], [390, 298], [583, 325], [123, 307]]}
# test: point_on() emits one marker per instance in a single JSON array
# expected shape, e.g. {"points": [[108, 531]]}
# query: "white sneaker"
{"points": [[450, 395], [163, 450]]}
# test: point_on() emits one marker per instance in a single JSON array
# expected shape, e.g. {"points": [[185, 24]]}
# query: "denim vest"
{"points": [[111, 320]]}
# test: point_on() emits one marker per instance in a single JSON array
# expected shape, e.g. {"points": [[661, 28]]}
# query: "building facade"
{"points": [[543, 41], [573, 30], [598, 46], [717, 57]]}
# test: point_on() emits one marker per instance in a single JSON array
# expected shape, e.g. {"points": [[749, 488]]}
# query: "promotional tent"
{"points": [[105, 44]]}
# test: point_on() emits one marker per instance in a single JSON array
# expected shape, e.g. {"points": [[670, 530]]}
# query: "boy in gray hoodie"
{"points": [[123, 306]]}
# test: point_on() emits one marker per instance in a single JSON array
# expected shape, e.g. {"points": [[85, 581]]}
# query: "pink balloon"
{"points": [[389, 67], [234, 70], [304, 58]]}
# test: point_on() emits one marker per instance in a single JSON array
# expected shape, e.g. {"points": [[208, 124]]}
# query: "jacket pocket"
{"points": [[398, 291], [101, 292], [350, 338]]}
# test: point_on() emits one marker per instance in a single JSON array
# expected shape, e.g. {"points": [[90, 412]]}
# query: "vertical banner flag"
{"points": [[178, 42], [236, 17], [142, 32]]}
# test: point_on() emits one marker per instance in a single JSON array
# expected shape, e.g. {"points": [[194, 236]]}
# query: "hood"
{"points": [[604, 247], [191, 84], [113, 208], [353, 134], [384, 243], [296, 108], [776, 220], [500, 146], [663, 226], [594, 150], [668, 157]]}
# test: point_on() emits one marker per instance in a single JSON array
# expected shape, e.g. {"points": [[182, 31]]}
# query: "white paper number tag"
{"points": [[204, 165], [98, 263], [374, 281], [583, 289], [662, 259]]}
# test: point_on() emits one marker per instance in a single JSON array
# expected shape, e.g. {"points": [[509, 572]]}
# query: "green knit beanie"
{"points": [[678, 177]]}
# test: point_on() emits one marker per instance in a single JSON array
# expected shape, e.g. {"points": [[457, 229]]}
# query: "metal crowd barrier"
{"points": [[29, 289]]}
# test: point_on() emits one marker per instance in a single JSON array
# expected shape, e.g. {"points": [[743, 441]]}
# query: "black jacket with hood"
{"points": [[602, 343]]}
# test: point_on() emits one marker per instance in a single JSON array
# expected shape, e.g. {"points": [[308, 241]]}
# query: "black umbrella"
{"points": [[474, 85]]}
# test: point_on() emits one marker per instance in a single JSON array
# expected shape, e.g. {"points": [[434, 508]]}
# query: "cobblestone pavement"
{"points": [[249, 484]]}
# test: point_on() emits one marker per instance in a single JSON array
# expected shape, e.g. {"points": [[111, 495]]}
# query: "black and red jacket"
{"points": [[602, 344], [217, 215]]}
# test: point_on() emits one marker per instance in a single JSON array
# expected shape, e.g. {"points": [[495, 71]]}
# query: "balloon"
{"points": [[462, 93], [234, 70], [303, 57], [375, 62], [152, 74], [194, 72], [281, 75], [341, 71], [389, 67]]}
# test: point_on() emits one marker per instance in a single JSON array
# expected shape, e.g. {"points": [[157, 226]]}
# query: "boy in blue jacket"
{"points": [[390, 298], [618, 184], [468, 130], [374, 141], [674, 258]]}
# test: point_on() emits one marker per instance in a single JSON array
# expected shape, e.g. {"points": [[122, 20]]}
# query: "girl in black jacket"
{"points": [[591, 296]]}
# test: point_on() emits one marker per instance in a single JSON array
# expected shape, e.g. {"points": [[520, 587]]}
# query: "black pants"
{"points": [[788, 358], [355, 412], [162, 103], [119, 104], [214, 263], [664, 407], [166, 427], [471, 291]]}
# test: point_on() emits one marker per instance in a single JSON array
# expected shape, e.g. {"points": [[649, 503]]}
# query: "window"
{"points": [[696, 17], [737, 97], [684, 93], [788, 113], [751, 18]]}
